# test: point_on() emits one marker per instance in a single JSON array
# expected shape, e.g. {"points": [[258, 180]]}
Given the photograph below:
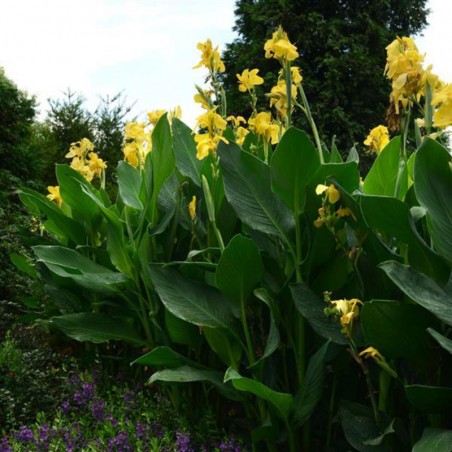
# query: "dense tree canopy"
{"points": [[17, 113], [342, 56]]}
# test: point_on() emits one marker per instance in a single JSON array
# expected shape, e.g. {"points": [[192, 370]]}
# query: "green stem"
{"points": [[249, 343], [315, 132], [288, 79], [403, 158]]}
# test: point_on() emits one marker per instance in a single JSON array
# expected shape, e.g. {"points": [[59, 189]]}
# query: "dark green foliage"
{"points": [[17, 112], [69, 120], [342, 57]]}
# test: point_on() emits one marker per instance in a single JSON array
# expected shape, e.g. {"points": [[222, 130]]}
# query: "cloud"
{"points": [[100, 47]]}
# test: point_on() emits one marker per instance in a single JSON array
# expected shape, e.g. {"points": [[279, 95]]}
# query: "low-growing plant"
{"points": [[103, 414], [256, 265]]}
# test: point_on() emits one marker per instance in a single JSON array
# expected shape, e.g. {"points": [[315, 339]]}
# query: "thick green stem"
{"points": [[315, 132], [288, 79], [403, 158]]}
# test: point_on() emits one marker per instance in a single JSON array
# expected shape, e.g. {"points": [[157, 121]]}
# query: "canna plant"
{"points": [[257, 262]]}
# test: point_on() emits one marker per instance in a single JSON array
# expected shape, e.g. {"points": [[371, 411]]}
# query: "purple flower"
{"points": [[25, 435], [87, 390], [97, 409], [65, 406], [4, 445], [183, 442]]}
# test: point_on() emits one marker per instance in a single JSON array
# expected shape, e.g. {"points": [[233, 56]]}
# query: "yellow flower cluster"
{"points": [[443, 100], [207, 142], [377, 139], [346, 310], [410, 79], [404, 68], [239, 131], [280, 47], [210, 57], [138, 136], [84, 160], [263, 125], [327, 214], [137, 143]]}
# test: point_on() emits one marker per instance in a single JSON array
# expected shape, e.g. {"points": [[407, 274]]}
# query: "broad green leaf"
{"points": [[429, 399], [162, 156], [73, 189], [24, 265], [164, 356], [397, 329], [445, 343], [360, 429], [190, 300], [273, 338], [420, 289], [312, 388], [280, 401], [116, 244], [346, 174], [382, 177], [240, 268], [433, 186], [434, 440], [392, 216], [293, 165], [247, 186], [182, 332], [226, 346], [97, 328], [185, 152], [187, 374], [129, 183], [311, 307], [68, 263], [58, 223]]}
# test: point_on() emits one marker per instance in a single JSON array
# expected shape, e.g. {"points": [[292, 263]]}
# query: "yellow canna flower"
{"points": [[348, 311], [443, 114], [155, 115], [372, 352], [54, 195], [212, 121], [377, 139], [236, 120], [135, 131], [210, 57], [278, 97], [96, 164], [404, 68], [249, 79], [280, 47], [240, 134], [331, 191], [192, 208], [80, 149], [263, 125]]}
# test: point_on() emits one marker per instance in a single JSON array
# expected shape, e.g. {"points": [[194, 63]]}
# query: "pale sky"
{"points": [[146, 48]]}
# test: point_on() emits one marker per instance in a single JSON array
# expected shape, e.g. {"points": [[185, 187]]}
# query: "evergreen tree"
{"points": [[342, 56], [17, 112]]}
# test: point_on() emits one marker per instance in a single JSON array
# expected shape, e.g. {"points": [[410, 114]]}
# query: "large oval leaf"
{"points": [[293, 165], [190, 300], [240, 268], [247, 186], [421, 289], [97, 328], [433, 186]]}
